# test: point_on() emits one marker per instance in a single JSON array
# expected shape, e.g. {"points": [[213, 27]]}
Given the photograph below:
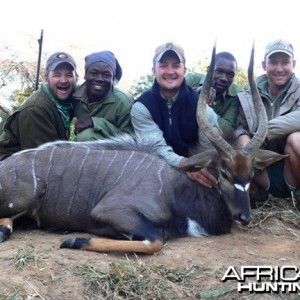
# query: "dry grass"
{"points": [[136, 280], [283, 209]]}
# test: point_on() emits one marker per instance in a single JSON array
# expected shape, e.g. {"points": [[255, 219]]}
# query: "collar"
{"points": [[81, 95], [64, 108], [263, 85], [171, 100]]}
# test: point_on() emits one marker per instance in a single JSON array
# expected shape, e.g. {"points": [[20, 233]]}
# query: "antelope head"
{"points": [[235, 166]]}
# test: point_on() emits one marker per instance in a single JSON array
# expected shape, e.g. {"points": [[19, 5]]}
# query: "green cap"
{"points": [[279, 46]]}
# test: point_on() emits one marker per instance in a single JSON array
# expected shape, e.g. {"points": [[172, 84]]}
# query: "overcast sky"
{"points": [[132, 29]]}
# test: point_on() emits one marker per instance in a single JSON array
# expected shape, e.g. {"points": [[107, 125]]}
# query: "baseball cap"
{"points": [[279, 46], [58, 58], [162, 49]]}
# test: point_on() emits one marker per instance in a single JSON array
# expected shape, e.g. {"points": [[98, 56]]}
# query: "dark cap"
{"points": [[279, 46], [58, 58], [162, 49]]}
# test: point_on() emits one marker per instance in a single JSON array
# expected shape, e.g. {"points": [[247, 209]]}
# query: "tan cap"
{"points": [[162, 49], [279, 46]]}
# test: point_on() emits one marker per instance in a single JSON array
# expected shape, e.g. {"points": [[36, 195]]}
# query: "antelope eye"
{"points": [[224, 175]]}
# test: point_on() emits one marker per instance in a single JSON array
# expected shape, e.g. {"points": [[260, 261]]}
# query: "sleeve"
{"points": [[242, 127], [194, 79], [123, 121], [108, 129], [146, 128], [284, 125], [36, 127]]}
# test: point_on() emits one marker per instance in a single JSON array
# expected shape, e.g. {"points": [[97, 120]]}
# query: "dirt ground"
{"points": [[33, 266]]}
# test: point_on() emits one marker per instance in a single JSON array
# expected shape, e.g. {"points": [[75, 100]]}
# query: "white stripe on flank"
{"points": [[79, 170], [124, 166], [50, 162], [159, 176], [34, 175], [94, 181]]}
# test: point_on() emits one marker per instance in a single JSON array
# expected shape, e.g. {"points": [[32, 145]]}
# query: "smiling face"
{"points": [[62, 81], [169, 73], [99, 79], [279, 68]]}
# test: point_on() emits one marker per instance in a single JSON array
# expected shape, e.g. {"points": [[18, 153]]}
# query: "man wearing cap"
{"points": [[280, 92], [46, 115], [101, 109], [167, 112]]}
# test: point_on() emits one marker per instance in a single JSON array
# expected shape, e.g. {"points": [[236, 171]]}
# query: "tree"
{"points": [[201, 66], [19, 96], [141, 85], [241, 78], [17, 80], [17, 73]]}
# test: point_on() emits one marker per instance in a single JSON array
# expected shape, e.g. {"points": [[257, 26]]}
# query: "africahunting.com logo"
{"points": [[264, 279]]}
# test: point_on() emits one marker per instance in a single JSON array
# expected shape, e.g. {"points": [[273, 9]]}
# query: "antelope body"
{"points": [[120, 191], [109, 192]]}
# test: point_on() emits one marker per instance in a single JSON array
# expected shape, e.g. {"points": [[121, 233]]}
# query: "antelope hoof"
{"points": [[75, 243], [5, 232]]}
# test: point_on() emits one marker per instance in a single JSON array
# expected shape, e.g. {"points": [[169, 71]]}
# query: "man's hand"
{"points": [[83, 123], [243, 140], [204, 177], [211, 97]]}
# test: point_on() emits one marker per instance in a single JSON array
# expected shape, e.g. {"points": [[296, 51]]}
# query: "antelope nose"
{"points": [[245, 219]]}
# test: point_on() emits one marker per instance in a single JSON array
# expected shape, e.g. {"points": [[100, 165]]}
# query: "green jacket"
{"points": [[111, 117], [283, 112], [36, 122], [226, 105]]}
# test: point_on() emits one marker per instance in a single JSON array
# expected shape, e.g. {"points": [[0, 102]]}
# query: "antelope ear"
{"points": [[200, 160], [264, 158]]}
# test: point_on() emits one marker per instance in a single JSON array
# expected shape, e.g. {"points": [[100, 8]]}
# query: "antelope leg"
{"points": [[109, 245], [6, 228]]}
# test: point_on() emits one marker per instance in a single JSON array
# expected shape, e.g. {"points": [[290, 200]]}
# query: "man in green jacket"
{"points": [[46, 115], [224, 100], [280, 92], [102, 111]]}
